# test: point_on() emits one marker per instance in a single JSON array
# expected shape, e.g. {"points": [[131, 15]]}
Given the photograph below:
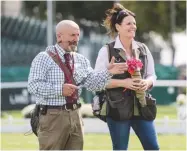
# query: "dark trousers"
{"points": [[120, 130], [60, 130]]}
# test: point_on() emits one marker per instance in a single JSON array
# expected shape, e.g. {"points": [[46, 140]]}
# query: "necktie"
{"points": [[67, 57], [73, 97]]}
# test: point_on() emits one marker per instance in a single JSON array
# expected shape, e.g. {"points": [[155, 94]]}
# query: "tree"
{"points": [[151, 15], [90, 10], [156, 16]]}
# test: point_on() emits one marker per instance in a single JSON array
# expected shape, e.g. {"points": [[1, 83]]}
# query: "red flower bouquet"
{"points": [[134, 67]]}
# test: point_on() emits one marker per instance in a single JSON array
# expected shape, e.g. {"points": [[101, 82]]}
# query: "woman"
{"points": [[123, 112]]}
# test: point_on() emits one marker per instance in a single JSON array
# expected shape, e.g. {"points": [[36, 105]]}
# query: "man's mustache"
{"points": [[73, 43]]}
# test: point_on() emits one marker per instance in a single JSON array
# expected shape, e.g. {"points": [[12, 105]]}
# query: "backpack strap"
{"points": [[110, 46]]}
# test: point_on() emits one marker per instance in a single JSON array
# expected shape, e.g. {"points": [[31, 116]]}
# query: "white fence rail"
{"points": [[160, 83], [94, 125]]}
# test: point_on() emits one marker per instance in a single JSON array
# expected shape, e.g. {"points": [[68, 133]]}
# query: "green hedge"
{"points": [[14, 73]]}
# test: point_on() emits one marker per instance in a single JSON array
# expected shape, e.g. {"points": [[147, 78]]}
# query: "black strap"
{"points": [[110, 46]]}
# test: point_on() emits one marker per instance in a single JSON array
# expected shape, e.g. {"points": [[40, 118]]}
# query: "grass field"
{"points": [[162, 111], [92, 142], [18, 141]]}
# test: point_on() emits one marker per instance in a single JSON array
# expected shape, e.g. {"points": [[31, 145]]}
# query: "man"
{"points": [[60, 123]]}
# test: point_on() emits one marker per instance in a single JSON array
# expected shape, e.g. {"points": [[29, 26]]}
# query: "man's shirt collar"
{"points": [[60, 50]]}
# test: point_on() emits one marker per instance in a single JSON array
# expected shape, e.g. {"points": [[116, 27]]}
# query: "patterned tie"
{"points": [[67, 57], [74, 96]]}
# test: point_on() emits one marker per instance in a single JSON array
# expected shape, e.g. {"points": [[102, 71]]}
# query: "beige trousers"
{"points": [[60, 130]]}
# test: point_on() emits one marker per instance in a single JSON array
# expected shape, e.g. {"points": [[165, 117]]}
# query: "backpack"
{"points": [[98, 104], [99, 100]]}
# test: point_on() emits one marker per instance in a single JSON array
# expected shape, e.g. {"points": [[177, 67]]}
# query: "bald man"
{"points": [[60, 123]]}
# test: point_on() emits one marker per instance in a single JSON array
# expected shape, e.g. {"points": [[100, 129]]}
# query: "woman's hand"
{"points": [[133, 84], [145, 84]]}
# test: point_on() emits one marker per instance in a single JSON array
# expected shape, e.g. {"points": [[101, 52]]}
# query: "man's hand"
{"points": [[117, 68], [68, 89]]}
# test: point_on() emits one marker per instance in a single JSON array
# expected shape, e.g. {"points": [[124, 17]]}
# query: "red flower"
{"points": [[134, 64]]}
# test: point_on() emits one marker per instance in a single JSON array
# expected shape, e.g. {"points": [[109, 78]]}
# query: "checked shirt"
{"points": [[46, 79]]}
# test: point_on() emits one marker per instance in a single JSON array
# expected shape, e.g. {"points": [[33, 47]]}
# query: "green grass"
{"points": [[97, 141], [13, 113], [167, 110], [18, 141]]}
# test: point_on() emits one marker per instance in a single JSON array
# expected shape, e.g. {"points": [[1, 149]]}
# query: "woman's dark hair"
{"points": [[115, 15]]}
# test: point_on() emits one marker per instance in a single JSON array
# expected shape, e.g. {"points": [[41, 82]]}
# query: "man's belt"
{"points": [[69, 106]]}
